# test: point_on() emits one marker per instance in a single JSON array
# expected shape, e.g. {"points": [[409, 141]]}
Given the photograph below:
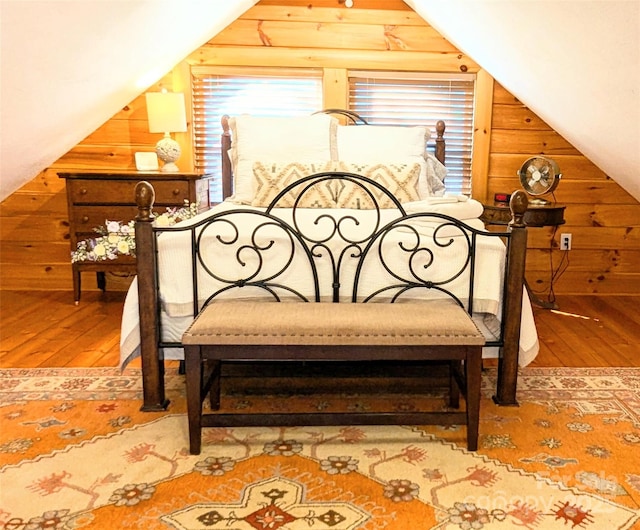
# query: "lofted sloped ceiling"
{"points": [[69, 65], [575, 63]]}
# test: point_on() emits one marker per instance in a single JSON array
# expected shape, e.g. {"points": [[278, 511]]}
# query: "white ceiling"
{"points": [[575, 63], [69, 65]]}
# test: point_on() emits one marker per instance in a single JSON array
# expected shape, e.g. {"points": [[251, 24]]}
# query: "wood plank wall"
{"points": [[603, 218], [376, 34], [34, 225]]}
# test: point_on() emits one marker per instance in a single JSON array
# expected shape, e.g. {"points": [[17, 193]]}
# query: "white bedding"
{"points": [[176, 289]]}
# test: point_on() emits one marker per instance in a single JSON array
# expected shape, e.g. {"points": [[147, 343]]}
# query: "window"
{"points": [[398, 98], [380, 97], [257, 91]]}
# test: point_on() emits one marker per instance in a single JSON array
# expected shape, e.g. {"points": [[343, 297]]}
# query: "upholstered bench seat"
{"points": [[264, 331], [374, 324]]}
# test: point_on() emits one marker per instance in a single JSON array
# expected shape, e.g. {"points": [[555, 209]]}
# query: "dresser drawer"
{"points": [[169, 192], [85, 218]]}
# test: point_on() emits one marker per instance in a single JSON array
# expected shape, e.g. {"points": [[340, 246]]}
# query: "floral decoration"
{"points": [[117, 238]]}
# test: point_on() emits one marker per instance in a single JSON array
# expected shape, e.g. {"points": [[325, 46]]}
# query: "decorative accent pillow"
{"points": [[399, 178], [372, 143], [300, 138], [436, 174], [270, 178]]}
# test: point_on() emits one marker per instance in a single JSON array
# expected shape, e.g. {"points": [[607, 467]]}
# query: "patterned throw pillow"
{"points": [[270, 178], [400, 179]]}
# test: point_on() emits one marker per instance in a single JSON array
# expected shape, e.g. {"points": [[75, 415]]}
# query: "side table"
{"points": [[538, 214], [94, 196]]}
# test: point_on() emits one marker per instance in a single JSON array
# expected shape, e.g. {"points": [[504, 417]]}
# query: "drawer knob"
{"points": [[85, 218], [83, 191], [176, 192]]}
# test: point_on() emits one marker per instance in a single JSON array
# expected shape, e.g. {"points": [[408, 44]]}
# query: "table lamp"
{"points": [[166, 114]]}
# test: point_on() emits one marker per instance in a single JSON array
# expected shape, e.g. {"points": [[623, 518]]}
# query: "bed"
{"points": [[266, 155]]}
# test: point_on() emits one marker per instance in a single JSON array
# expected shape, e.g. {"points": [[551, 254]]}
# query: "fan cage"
{"points": [[535, 172]]}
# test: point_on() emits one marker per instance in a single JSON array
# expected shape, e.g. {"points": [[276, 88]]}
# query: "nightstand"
{"points": [[541, 214], [95, 196], [537, 215]]}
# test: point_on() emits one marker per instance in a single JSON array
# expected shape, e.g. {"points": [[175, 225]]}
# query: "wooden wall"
{"points": [[34, 226], [603, 219], [376, 34]]}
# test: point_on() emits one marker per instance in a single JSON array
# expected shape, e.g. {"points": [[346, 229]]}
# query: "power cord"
{"points": [[555, 272], [563, 265]]}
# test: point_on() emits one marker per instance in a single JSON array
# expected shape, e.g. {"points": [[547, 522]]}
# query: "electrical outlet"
{"points": [[565, 241]]}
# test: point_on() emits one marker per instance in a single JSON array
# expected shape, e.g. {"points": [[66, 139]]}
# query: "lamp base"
{"points": [[168, 150], [170, 167]]}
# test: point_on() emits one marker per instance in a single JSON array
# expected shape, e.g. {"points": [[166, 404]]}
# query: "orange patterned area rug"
{"points": [[77, 453]]}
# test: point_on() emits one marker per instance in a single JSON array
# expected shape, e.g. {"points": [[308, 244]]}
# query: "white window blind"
{"points": [[256, 91], [385, 98]]}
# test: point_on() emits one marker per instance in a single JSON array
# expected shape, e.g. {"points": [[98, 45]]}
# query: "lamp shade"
{"points": [[166, 112]]}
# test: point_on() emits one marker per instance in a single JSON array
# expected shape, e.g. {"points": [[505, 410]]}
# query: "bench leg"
{"points": [[473, 372], [193, 367], [454, 389], [213, 380]]}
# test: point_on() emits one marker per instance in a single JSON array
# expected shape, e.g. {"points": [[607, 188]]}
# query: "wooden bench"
{"points": [[356, 327], [325, 331]]}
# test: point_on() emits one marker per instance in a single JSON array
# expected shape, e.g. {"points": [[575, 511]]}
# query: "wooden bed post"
{"points": [[516, 259], [225, 145], [152, 365]]}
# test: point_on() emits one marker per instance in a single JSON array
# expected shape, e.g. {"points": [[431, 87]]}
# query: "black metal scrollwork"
{"points": [[291, 251], [414, 251], [247, 248]]}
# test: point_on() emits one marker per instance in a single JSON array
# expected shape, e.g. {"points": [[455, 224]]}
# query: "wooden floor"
{"points": [[46, 329]]}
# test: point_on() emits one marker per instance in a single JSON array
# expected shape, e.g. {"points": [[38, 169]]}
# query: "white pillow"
{"points": [[302, 138], [373, 143]]}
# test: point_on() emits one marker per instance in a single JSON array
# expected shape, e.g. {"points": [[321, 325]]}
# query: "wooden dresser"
{"points": [[95, 196]]}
